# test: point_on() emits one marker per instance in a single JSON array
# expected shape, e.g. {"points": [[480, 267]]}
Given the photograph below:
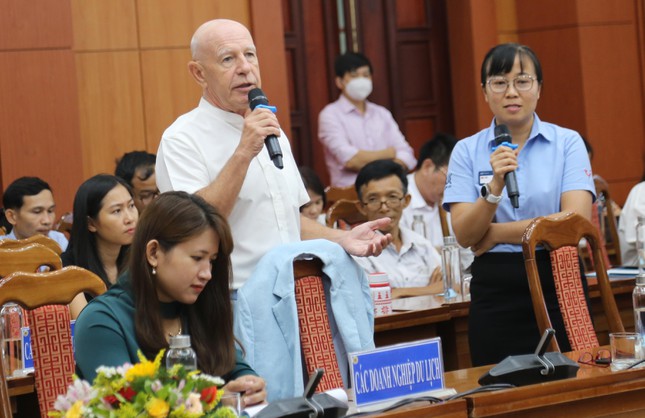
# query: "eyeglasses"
{"points": [[601, 359], [500, 84], [392, 202], [443, 170]]}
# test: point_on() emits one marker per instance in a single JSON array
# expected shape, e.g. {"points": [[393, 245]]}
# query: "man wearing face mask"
{"points": [[354, 131]]}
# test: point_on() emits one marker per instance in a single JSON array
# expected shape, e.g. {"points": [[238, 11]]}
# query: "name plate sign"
{"points": [[27, 355], [399, 371]]}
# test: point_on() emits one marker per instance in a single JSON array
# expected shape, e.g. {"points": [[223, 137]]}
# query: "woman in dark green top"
{"points": [[177, 282]]}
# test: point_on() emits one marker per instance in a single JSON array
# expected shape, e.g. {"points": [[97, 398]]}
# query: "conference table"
{"points": [[594, 392], [595, 389], [421, 317]]}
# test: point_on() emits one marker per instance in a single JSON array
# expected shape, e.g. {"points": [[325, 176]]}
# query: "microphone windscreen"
{"points": [[501, 134], [257, 97]]}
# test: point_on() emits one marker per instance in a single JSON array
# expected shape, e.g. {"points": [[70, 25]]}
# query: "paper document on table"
{"points": [[338, 393], [621, 271]]}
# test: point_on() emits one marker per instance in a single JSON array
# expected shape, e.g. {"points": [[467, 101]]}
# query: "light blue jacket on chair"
{"points": [[266, 318]]}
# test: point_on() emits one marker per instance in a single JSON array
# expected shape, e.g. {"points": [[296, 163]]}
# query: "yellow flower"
{"points": [[75, 410], [145, 368], [157, 408]]}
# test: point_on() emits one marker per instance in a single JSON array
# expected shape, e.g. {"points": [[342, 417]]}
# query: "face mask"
{"points": [[359, 88]]}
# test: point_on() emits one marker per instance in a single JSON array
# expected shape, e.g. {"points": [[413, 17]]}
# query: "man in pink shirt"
{"points": [[355, 131]]}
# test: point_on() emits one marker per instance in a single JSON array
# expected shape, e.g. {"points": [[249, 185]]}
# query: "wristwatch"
{"points": [[488, 196]]}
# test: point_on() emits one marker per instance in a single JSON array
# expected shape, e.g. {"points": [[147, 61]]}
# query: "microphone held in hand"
{"points": [[257, 98], [502, 135]]}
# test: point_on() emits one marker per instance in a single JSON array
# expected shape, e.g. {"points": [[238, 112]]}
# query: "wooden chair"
{"points": [[334, 194], [29, 258], [443, 217], [50, 333], [316, 340], [345, 214], [64, 224], [561, 237], [608, 226], [37, 239]]}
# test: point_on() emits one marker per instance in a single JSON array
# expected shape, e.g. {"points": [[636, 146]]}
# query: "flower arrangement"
{"points": [[144, 390]]}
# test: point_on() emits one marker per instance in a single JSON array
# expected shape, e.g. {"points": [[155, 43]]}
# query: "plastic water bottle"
{"points": [[638, 297], [11, 324], [640, 245], [180, 352], [419, 226], [451, 267]]}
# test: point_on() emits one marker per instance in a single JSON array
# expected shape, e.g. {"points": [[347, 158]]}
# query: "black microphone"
{"points": [[502, 134], [256, 98]]}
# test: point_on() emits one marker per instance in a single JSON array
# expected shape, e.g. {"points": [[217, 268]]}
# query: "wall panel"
{"points": [[101, 25], [171, 23], [39, 119], [607, 88], [472, 32], [111, 110], [603, 11], [266, 17], [168, 90], [34, 24], [562, 96]]}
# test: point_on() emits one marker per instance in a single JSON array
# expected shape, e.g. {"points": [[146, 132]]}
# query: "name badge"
{"points": [[399, 371], [485, 177]]}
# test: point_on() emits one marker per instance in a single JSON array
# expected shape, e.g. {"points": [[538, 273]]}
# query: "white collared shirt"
{"points": [[432, 219], [418, 206], [410, 267], [634, 207], [192, 153]]}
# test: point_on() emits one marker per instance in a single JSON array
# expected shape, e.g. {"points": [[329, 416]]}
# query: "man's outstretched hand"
{"points": [[365, 239]]}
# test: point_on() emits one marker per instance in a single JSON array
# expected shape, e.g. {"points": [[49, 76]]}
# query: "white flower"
{"points": [[108, 372], [80, 390], [215, 380], [193, 404]]}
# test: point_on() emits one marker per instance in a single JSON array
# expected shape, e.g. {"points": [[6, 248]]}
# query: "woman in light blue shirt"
{"points": [[553, 176]]}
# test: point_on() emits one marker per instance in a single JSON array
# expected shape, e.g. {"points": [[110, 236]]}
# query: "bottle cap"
{"points": [[180, 341], [378, 278], [449, 240], [640, 280]]}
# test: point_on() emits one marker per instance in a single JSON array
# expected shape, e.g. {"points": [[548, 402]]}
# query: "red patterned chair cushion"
{"points": [[571, 299], [315, 333], [53, 355]]}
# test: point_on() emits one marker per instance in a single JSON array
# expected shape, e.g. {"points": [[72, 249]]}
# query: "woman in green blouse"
{"points": [[177, 282]]}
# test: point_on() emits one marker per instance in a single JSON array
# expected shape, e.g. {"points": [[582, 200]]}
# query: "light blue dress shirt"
{"points": [[553, 161], [59, 237]]}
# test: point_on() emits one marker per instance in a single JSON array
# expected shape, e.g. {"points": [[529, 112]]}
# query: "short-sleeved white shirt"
{"points": [[192, 153], [634, 207], [410, 267], [432, 219]]}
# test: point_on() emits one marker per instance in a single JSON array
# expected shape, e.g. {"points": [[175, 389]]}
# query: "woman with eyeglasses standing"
{"points": [[553, 176]]}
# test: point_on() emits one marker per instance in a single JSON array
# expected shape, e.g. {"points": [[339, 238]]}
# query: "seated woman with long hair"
{"points": [[177, 282], [103, 226]]}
